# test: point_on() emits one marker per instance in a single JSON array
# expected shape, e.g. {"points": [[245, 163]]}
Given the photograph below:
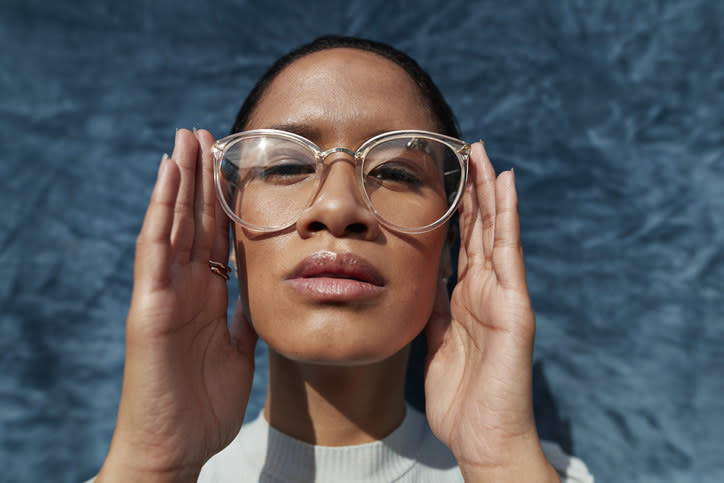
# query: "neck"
{"points": [[336, 405]]}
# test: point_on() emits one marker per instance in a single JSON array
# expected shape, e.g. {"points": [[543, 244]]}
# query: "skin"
{"points": [[306, 98], [334, 368], [322, 352]]}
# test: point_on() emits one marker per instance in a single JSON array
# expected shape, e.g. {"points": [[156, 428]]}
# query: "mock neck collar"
{"points": [[290, 459]]}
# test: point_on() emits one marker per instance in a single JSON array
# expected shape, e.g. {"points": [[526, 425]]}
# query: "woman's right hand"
{"points": [[187, 378]]}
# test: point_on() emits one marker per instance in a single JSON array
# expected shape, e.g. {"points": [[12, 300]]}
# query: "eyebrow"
{"points": [[312, 133], [304, 130]]}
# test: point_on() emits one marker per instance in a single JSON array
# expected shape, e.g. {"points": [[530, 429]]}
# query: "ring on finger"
{"points": [[220, 269]]}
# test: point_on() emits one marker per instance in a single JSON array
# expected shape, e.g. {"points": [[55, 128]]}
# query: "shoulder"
{"points": [[435, 462], [245, 455]]}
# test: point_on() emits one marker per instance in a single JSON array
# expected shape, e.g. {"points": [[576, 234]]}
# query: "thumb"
{"points": [[243, 335]]}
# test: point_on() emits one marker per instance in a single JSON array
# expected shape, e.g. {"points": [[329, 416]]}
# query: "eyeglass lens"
{"points": [[410, 182]]}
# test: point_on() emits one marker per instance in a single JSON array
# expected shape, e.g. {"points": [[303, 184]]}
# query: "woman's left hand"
{"points": [[478, 382]]}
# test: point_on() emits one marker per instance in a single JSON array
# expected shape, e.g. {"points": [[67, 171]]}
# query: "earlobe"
{"points": [[232, 259], [445, 268]]}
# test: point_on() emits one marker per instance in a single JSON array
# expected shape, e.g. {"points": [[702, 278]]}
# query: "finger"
{"points": [[182, 234], [485, 191], [477, 218], [243, 335], [220, 247], [205, 202], [439, 320], [153, 246], [508, 251], [468, 210], [468, 206]]}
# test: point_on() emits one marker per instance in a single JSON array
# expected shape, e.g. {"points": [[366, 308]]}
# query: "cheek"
{"points": [[417, 272], [255, 262]]}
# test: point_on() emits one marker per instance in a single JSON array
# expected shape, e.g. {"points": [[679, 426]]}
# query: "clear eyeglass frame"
{"points": [[460, 148]]}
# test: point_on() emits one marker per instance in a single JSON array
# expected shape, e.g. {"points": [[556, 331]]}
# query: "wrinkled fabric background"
{"points": [[611, 113]]}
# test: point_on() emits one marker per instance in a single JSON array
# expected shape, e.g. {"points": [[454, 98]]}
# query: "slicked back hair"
{"points": [[437, 105]]}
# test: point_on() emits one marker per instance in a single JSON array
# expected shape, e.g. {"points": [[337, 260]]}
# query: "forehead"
{"points": [[343, 90]]}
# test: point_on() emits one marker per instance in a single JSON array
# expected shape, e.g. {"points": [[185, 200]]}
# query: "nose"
{"points": [[339, 206]]}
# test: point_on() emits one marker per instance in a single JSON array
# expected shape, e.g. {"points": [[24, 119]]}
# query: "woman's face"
{"points": [[338, 287]]}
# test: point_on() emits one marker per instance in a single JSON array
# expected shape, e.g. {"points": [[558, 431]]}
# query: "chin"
{"points": [[337, 357], [335, 344]]}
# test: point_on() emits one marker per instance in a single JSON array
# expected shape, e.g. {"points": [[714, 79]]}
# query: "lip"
{"points": [[336, 277]]}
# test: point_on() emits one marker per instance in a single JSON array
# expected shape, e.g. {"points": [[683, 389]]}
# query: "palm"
{"points": [[185, 384], [478, 375]]}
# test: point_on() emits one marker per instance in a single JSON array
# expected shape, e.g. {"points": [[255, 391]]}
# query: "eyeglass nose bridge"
{"points": [[323, 168], [325, 154]]}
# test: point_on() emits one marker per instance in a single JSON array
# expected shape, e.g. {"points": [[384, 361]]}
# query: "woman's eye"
{"points": [[395, 173], [287, 169]]}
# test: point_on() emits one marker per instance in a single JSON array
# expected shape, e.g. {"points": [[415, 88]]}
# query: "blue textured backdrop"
{"points": [[611, 112]]}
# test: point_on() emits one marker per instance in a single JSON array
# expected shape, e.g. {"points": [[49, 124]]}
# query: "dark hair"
{"points": [[439, 108]]}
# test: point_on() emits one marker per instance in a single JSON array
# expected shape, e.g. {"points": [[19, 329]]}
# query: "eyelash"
{"points": [[283, 169], [395, 173]]}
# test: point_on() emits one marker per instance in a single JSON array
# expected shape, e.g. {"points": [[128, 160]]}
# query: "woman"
{"points": [[339, 254]]}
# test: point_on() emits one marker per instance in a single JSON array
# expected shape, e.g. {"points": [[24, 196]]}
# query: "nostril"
{"points": [[316, 226], [356, 228]]}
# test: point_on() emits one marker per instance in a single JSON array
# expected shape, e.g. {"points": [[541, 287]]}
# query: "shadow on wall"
{"points": [[550, 425]]}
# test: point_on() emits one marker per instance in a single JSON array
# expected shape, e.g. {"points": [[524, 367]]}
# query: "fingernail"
{"points": [[481, 142], [194, 130], [162, 166]]}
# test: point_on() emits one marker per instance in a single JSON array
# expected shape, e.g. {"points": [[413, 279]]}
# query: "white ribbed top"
{"points": [[411, 453], [261, 453]]}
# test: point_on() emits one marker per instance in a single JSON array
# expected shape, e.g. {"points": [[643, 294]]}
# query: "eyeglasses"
{"points": [[411, 180]]}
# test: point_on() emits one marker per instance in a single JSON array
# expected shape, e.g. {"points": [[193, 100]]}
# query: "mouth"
{"points": [[337, 277], [338, 265]]}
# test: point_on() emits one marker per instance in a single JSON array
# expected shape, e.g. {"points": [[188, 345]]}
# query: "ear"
{"points": [[232, 257], [445, 269]]}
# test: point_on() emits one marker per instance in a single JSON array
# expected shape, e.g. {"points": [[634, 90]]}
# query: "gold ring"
{"points": [[220, 269]]}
